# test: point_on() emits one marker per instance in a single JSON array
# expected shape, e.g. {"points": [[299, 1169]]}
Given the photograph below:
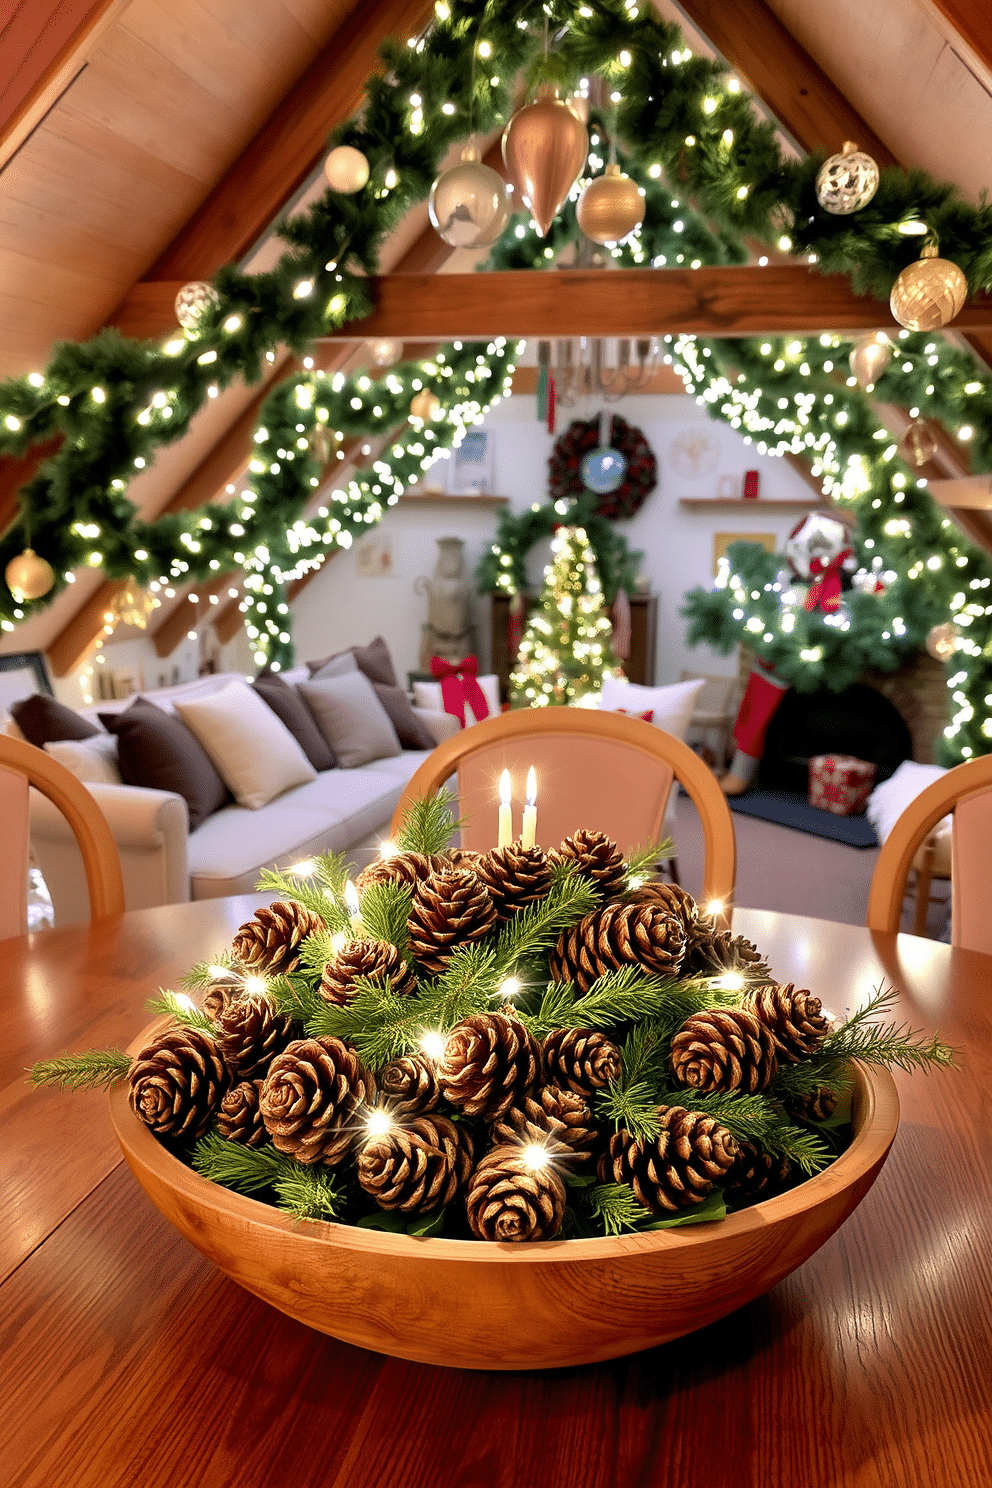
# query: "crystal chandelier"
{"points": [[586, 367]]}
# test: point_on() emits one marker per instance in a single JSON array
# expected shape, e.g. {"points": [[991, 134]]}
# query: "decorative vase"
{"points": [[449, 631]]}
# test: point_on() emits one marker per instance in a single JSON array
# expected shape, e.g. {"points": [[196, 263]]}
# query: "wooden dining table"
{"points": [[128, 1361]]}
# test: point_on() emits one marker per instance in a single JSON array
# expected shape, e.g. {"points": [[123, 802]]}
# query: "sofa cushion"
{"points": [[373, 660], [409, 730], [671, 706], [291, 710], [90, 760], [334, 666], [43, 720], [252, 749], [160, 752], [351, 718]]}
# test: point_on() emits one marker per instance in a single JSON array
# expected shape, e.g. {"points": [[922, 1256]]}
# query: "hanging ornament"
{"points": [[610, 207], [941, 642], [918, 444], [817, 538], [28, 576], [469, 205], [346, 169], [131, 606], [191, 302], [321, 443], [545, 146], [386, 351], [846, 182], [425, 405], [602, 470], [869, 359], [928, 294]]}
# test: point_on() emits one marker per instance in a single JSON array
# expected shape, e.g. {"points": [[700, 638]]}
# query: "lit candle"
{"points": [[354, 906], [529, 834], [505, 814]]}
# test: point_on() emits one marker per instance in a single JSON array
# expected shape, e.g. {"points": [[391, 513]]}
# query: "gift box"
{"points": [[839, 783]]}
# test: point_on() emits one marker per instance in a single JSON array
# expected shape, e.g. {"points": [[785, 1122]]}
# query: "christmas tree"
{"points": [[565, 651]]}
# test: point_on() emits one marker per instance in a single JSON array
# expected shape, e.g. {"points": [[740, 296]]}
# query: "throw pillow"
{"points": [[42, 720], [409, 728], [93, 761], [374, 660], [253, 751], [291, 710], [157, 750], [427, 695], [672, 706], [351, 719], [334, 666]]}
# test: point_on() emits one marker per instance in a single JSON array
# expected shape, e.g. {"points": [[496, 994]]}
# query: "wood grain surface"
{"points": [[127, 1359]]}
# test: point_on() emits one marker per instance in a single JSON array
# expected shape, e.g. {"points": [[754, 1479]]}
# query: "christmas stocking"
{"points": [[761, 698]]}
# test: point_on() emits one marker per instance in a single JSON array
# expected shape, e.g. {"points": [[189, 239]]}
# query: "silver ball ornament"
{"points": [[846, 182], [869, 359], [191, 302], [346, 169], [469, 205]]}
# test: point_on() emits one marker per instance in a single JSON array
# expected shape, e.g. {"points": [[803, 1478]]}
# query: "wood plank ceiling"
{"points": [[153, 140]]}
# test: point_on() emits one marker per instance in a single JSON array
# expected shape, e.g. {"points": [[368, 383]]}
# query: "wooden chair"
{"points": [[22, 766], [967, 792], [604, 771]]}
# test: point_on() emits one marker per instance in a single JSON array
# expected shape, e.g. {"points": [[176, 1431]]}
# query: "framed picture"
{"points": [[722, 541], [470, 469], [21, 674], [374, 556]]}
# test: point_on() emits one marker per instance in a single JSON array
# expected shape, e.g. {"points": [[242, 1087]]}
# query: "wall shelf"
{"points": [[441, 498], [753, 503]]}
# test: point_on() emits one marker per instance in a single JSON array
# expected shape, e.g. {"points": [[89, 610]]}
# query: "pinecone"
{"points": [[409, 1085], [239, 1119], [177, 1082], [598, 858], [220, 994], [818, 1105], [451, 908], [250, 1033], [489, 1062], [560, 1121], [463, 857], [514, 1196], [270, 941], [408, 868], [619, 935], [670, 897], [678, 1168], [755, 1175], [795, 1018], [365, 958], [416, 1166], [724, 1049], [580, 1059], [716, 952], [515, 877], [311, 1098]]}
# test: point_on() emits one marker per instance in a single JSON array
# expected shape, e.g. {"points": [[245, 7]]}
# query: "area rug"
{"points": [[788, 810]]}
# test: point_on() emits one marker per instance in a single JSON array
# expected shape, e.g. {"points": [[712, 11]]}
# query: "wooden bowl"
{"points": [[476, 1305]]}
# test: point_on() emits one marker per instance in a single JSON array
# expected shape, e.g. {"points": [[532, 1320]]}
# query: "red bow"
{"points": [[459, 686], [826, 591]]}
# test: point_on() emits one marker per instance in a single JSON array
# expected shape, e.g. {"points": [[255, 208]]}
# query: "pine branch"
{"points": [[294, 997], [308, 1193], [631, 1101], [97, 1069], [182, 1009], [628, 995], [756, 1118], [429, 824], [246, 1169], [536, 928], [385, 908], [616, 1207], [795, 1081], [208, 973], [643, 861], [311, 893], [553, 1011], [886, 1044]]}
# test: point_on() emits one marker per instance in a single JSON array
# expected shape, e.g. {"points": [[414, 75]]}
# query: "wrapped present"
{"points": [[840, 783]]}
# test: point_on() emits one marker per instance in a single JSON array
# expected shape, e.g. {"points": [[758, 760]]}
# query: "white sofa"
{"points": [[342, 810]]}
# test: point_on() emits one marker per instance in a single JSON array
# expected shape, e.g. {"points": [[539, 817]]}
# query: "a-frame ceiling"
{"points": [[153, 140]]}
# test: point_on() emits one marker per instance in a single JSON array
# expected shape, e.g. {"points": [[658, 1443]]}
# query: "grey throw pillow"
{"points": [[351, 718]]}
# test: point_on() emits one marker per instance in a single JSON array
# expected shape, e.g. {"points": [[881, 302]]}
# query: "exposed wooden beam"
{"points": [[76, 639], [971, 20]]}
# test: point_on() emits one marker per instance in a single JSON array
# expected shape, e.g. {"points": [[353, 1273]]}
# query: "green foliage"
{"points": [[308, 1193], [206, 973], [616, 1208], [537, 928], [97, 1069], [709, 1211], [429, 824], [565, 649], [304, 1192], [319, 890], [385, 908], [642, 861], [167, 1004], [631, 1101], [295, 996]]}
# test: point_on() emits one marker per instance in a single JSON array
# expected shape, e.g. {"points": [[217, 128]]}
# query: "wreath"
{"points": [[580, 439], [503, 566]]}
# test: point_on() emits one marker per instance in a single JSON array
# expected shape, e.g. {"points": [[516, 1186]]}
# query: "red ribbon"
{"points": [[826, 591], [459, 686]]}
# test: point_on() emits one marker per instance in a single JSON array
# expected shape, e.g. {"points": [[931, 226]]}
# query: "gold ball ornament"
{"points": [[869, 359], [425, 405], [846, 182], [545, 145], [346, 169], [918, 444], [28, 576], [385, 351], [928, 294], [610, 207], [469, 205], [941, 642], [192, 301]]}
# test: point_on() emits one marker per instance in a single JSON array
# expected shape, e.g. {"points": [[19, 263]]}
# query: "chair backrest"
{"points": [[598, 770], [967, 792], [21, 766]]}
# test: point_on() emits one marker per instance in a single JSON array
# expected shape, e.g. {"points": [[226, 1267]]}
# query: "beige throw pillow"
{"points": [[351, 718], [254, 752], [93, 761]]}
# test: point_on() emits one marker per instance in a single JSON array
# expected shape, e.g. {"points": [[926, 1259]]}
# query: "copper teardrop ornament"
{"points": [[545, 146]]}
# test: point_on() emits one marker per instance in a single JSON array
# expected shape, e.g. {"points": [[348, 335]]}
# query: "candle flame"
{"points": [[531, 787], [505, 789]]}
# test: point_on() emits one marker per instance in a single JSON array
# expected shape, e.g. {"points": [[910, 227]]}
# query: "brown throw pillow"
{"points": [[410, 730], [160, 752], [374, 660], [291, 710], [43, 721]]}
